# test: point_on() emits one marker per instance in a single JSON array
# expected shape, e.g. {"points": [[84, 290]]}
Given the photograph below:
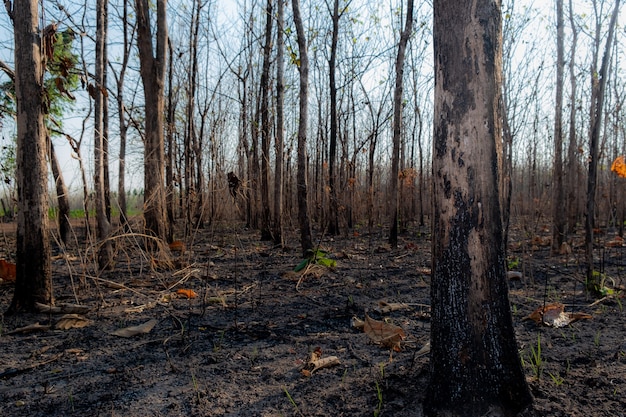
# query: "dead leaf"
{"points": [[565, 249], [554, 315], [135, 330], [36, 327], [385, 307], [187, 293], [386, 334], [317, 362], [71, 321], [619, 166], [616, 242], [177, 246], [425, 350], [7, 271], [514, 275]]}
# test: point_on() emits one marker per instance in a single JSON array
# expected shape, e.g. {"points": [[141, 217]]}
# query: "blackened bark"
{"points": [[277, 226], [266, 218], [558, 203], [475, 366], [397, 124], [303, 215], [33, 269], [152, 69]]}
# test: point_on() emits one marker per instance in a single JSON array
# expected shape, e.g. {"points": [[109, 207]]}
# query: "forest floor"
{"points": [[240, 346]]}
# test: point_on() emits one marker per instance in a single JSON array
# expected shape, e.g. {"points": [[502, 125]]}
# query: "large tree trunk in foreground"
{"points": [[474, 367], [153, 77], [33, 273]]}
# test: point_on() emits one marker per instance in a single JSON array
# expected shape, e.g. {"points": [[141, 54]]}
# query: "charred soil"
{"points": [[239, 346]]}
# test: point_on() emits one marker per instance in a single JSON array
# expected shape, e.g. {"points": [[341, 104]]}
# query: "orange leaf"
{"points": [[177, 246], [7, 271], [619, 166], [187, 293]]}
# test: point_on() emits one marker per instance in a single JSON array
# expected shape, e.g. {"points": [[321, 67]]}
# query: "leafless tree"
{"points": [[303, 207], [105, 254], [397, 123], [153, 76]]}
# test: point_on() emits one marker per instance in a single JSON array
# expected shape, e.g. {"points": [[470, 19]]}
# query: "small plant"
{"points": [[379, 396], [557, 379], [535, 359], [596, 339], [71, 400], [195, 385], [597, 285], [217, 346], [381, 369], [291, 400], [254, 355], [513, 263], [316, 257]]}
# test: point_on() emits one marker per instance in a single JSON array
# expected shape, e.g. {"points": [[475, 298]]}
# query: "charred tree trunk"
{"points": [[572, 147], [277, 227], [333, 212], [598, 88], [105, 251], [474, 367], [397, 124], [33, 269], [152, 69], [558, 202], [303, 207], [266, 218]]}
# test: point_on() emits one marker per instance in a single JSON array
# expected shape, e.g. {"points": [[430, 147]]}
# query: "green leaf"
{"points": [[301, 265]]}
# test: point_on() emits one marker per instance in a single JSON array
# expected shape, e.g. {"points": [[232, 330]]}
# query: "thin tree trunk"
{"points": [[303, 207], [121, 114], [572, 149], [558, 201], [105, 252], [599, 85], [277, 231], [397, 124], [170, 200], [266, 217], [62, 195], [333, 212]]}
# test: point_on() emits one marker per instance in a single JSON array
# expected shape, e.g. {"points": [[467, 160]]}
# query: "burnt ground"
{"points": [[238, 348]]}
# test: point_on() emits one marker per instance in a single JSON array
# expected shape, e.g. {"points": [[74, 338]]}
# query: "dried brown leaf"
{"points": [[36, 327], [71, 321], [386, 334], [135, 330], [554, 315]]}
